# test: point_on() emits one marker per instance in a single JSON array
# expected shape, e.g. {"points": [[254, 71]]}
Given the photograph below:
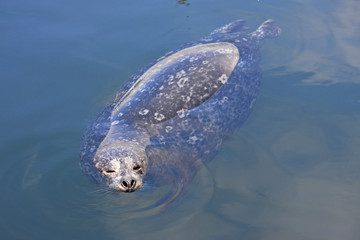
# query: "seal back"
{"points": [[179, 82]]}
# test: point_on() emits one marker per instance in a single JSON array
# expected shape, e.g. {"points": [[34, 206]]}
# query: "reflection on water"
{"points": [[318, 184], [183, 2], [325, 41], [291, 172]]}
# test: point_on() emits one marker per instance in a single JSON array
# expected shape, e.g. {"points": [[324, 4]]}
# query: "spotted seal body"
{"points": [[173, 116]]}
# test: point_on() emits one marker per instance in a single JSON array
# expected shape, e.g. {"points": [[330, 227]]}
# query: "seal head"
{"points": [[123, 169]]}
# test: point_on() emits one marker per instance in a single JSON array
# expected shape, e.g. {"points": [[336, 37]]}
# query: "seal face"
{"points": [[123, 169], [173, 116]]}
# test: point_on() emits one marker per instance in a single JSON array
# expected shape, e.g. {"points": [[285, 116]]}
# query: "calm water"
{"points": [[291, 172]]}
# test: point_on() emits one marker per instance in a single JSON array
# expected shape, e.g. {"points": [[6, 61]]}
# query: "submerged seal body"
{"points": [[172, 116]]}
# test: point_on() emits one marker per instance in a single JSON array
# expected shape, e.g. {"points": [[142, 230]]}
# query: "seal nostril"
{"points": [[133, 183], [125, 184]]}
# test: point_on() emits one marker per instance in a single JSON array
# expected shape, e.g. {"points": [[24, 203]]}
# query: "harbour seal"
{"points": [[172, 117]]}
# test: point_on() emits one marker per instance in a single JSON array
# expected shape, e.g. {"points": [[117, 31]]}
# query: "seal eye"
{"points": [[138, 170], [108, 171]]}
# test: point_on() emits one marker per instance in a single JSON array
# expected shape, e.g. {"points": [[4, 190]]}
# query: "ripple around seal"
{"points": [[151, 200], [43, 185], [166, 206]]}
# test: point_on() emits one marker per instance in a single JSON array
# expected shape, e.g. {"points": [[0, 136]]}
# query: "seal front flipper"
{"points": [[179, 82], [171, 163]]}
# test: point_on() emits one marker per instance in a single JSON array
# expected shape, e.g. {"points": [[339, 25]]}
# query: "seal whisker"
{"points": [[101, 189]]}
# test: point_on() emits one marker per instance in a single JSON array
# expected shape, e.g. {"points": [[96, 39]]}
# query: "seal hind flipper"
{"points": [[235, 26], [267, 29]]}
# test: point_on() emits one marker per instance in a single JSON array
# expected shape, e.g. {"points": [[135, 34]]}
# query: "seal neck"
{"points": [[126, 135]]}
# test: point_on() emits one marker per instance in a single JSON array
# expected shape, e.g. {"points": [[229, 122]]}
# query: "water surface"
{"points": [[291, 171]]}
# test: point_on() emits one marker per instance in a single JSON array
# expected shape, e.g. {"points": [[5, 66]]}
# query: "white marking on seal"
{"points": [[224, 100], [193, 59], [180, 74], [224, 51], [223, 78], [168, 128], [193, 139], [185, 98], [159, 95], [181, 113], [182, 81], [241, 64], [144, 112], [159, 116], [115, 122]]}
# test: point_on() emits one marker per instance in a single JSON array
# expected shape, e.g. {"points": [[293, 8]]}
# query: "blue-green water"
{"points": [[291, 171]]}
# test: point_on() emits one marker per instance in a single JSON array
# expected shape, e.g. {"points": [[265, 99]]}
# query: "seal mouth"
{"points": [[127, 185], [129, 190], [118, 187]]}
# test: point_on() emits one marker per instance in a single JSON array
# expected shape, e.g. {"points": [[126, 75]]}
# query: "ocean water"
{"points": [[290, 172]]}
